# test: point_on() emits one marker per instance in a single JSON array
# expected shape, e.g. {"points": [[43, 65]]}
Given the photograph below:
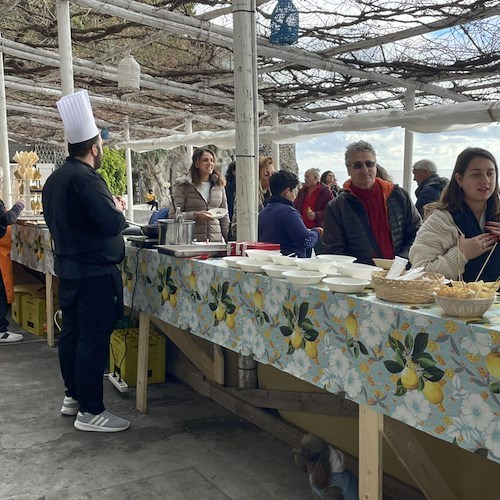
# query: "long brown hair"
{"points": [[195, 174], [452, 198], [314, 454]]}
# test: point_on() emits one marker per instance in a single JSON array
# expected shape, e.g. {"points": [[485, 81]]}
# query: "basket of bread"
{"points": [[411, 291], [466, 300]]}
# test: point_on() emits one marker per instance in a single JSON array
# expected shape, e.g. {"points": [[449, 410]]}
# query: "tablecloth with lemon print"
{"points": [[438, 374]]}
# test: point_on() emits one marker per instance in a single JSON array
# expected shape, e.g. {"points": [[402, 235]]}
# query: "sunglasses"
{"points": [[358, 165]]}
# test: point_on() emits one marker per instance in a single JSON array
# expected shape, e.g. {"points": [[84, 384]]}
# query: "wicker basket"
{"points": [[408, 292]]}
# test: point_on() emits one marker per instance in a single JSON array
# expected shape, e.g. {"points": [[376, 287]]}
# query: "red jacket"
{"points": [[324, 196]]}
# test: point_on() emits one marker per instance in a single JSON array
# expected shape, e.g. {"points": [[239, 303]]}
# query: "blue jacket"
{"points": [[280, 223]]}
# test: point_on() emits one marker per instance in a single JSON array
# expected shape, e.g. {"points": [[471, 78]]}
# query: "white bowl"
{"points": [[345, 284], [276, 271], [383, 263], [336, 259], [283, 260], [314, 264], [260, 255], [248, 265], [354, 270], [232, 261], [301, 277]]}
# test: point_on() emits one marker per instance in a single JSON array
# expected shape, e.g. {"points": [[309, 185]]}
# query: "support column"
{"points": [[246, 118], [275, 146], [408, 148], [4, 140], [64, 42], [188, 128], [130, 187]]}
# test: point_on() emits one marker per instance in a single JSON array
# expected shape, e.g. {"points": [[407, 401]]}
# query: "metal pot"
{"points": [[148, 230], [171, 232]]}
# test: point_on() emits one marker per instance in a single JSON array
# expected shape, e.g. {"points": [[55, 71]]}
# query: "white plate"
{"points": [[217, 213], [249, 266], [355, 270], [314, 264], [232, 261], [283, 260], [260, 255], [345, 284], [383, 263], [301, 277], [336, 259], [276, 271]]}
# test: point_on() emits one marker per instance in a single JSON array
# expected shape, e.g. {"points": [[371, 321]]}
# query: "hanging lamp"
{"points": [[129, 74], [284, 23]]}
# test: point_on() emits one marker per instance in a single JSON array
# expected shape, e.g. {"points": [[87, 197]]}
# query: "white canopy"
{"points": [[430, 119]]}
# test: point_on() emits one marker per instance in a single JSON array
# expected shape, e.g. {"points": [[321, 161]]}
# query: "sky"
{"points": [[327, 152]]}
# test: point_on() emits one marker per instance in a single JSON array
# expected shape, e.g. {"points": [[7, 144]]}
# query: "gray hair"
{"points": [[359, 147], [314, 171], [425, 164]]}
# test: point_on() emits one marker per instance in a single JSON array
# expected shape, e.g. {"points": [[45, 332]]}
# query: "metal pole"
{"points": [[188, 127], [275, 145], [4, 140], [245, 118], [408, 147], [130, 187]]}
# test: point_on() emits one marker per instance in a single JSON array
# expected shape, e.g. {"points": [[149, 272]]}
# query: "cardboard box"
{"points": [[123, 350], [35, 290], [34, 314], [239, 247]]}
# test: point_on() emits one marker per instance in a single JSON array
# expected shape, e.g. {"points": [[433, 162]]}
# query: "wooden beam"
{"points": [[322, 403], [218, 375], [416, 461], [141, 394], [49, 305], [371, 425], [184, 341]]}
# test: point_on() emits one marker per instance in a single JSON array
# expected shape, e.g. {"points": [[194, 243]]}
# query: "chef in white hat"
{"points": [[85, 223]]}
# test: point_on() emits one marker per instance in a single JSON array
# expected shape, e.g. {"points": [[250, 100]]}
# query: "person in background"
{"points": [[430, 185], [328, 477], [280, 222], [383, 174], [151, 200], [328, 178], [266, 169], [370, 217], [311, 202], [231, 187], [85, 222], [464, 226], [201, 190], [7, 217]]}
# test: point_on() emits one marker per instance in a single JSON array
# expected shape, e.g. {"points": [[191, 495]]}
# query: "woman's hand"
{"points": [[476, 246], [493, 228], [203, 216]]}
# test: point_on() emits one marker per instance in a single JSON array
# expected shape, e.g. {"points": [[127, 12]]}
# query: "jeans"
{"points": [[89, 314]]}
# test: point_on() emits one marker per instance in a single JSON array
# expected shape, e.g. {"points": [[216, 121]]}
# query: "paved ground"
{"points": [[186, 447]]}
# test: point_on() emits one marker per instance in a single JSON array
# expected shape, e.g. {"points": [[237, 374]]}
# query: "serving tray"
{"points": [[194, 250]]}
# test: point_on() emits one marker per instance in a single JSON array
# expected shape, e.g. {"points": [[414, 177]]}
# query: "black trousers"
{"points": [[89, 309]]}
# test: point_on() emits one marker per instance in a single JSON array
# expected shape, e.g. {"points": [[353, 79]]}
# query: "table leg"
{"points": [[49, 309], [371, 426], [141, 394]]}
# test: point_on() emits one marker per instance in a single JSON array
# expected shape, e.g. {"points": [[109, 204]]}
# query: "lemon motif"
{"points": [[351, 325], [493, 363], [409, 378], [219, 313], [296, 338], [173, 300], [129, 285], [192, 281], [433, 392], [258, 299], [230, 321], [165, 295], [311, 349]]}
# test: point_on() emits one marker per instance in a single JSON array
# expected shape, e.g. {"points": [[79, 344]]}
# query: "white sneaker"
{"points": [[104, 422], [6, 337], [70, 406]]}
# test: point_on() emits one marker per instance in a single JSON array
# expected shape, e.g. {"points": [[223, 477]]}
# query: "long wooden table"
{"points": [[435, 373]]}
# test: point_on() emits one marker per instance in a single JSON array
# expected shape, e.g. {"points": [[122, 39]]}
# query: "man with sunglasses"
{"points": [[370, 217]]}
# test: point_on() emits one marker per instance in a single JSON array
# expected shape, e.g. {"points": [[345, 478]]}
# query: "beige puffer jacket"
{"points": [[188, 198]]}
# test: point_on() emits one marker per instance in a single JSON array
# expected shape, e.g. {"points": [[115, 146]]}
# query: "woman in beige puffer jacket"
{"points": [[199, 191]]}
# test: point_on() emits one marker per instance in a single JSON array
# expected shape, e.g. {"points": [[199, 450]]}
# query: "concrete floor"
{"points": [[185, 447]]}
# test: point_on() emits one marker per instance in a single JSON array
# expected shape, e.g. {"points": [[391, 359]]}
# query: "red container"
{"points": [[239, 247]]}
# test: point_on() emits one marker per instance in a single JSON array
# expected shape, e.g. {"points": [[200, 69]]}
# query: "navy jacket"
{"points": [[280, 223], [429, 191]]}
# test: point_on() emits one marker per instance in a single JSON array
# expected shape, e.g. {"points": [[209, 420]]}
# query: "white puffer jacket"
{"points": [[188, 198], [436, 246]]}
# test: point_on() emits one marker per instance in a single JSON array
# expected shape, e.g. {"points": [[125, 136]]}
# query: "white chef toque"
{"points": [[77, 117]]}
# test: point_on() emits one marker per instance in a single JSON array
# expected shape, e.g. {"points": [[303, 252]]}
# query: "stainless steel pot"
{"points": [[171, 232]]}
